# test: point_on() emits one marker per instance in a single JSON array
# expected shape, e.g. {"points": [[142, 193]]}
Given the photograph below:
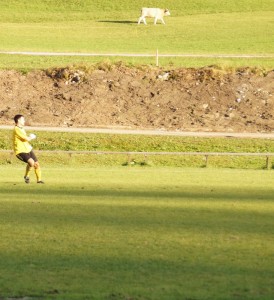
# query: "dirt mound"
{"points": [[205, 99]]}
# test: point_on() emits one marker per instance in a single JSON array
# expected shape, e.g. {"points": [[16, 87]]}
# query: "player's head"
{"points": [[19, 119]]}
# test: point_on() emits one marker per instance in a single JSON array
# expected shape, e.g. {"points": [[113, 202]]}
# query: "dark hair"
{"points": [[16, 118]]}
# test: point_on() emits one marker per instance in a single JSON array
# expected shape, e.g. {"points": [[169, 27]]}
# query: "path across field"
{"points": [[150, 132], [136, 54]]}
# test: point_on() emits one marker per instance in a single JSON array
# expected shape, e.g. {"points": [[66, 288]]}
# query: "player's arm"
{"points": [[22, 135]]}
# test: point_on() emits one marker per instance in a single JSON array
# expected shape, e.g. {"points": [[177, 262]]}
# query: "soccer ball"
{"points": [[32, 136]]}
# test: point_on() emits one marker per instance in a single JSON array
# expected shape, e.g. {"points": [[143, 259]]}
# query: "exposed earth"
{"points": [[116, 96]]}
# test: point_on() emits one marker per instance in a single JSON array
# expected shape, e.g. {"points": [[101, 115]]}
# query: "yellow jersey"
{"points": [[20, 141]]}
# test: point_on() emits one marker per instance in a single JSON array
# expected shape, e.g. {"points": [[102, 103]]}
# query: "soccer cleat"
{"points": [[40, 181], [26, 179]]}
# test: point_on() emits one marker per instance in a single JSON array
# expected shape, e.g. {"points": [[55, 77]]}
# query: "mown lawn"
{"points": [[194, 27], [133, 233], [69, 141]]}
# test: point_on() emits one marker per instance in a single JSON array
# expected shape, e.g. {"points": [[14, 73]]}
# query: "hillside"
{"points": [[182, 99]]}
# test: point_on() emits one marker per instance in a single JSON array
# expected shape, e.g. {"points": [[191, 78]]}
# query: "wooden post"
{"points": [[146, 156], [206, 160], [268, 163], [157, 58], [11, 156]]}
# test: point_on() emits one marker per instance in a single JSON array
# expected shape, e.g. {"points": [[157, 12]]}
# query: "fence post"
{"points": [[268, 163], [157, 58], [145, 156], [11, 156], [206, 160]]}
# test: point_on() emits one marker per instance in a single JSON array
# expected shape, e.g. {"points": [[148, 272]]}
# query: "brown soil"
{"points": [[120, 97]]}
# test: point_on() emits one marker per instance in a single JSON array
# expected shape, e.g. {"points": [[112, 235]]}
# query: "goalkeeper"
{"points": [[23, 149]]}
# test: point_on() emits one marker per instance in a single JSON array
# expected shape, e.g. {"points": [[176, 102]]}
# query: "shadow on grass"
{"points": [[165, 278], [118, 21], [95, 238], [227, 194], [211, 211]]}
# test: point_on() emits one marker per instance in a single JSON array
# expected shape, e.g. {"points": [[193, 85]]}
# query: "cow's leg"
{"points": [[142, 19], [155, 20], [163, 22]]}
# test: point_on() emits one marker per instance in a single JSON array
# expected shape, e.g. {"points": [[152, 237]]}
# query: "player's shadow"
{"points": [[118, 22]]}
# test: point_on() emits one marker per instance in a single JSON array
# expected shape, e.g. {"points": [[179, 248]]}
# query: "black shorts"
{"points": [[26, 156]]}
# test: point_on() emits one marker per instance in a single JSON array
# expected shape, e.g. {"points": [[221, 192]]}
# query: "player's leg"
{"points": [[28, 170], [29, 167], [25, 158], [38, 172], [36, 166]]}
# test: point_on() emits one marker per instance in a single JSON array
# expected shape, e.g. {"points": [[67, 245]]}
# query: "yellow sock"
{"points": [[38, 173], [28, 169]]}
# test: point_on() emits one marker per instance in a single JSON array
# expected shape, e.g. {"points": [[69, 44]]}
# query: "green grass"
{"points": [[195, 27], [219, 33], [140, 143], [116, 233], [25, 63], [50, 10], [123, 142]]}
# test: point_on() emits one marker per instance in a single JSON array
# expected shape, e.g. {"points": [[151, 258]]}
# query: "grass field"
{"points": [[116, 233], [121, 233], [65, 141], [194, 27]]}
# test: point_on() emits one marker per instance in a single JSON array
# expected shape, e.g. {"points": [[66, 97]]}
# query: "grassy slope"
{"points": [[113, 233], [97, 8], [105, 142], [112, 142], [103, 26]]}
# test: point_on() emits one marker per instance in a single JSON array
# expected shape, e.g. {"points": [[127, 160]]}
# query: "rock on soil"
{"points": [[183, 99]]}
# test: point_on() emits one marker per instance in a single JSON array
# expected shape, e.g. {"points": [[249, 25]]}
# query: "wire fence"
{"points": [[130, 154]]}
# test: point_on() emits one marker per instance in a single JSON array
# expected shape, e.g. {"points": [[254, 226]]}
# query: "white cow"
{"points": [[156, 13]]}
